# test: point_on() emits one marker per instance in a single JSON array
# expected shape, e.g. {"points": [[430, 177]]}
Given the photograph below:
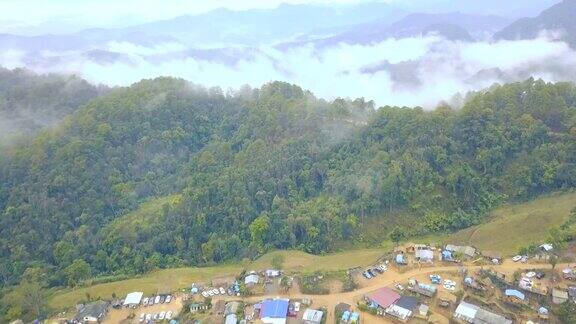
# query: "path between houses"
{"points": [[387, 279]]}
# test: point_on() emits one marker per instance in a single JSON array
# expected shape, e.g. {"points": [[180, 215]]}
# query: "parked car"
{"points": [[517, 258], [142, 317], [540, 275], [436, 279], [222, 291], [215, 291], [145, 301], [367, 275], [524, 259], [148, 317], [205, 294], [169, 315], [372, 272], [210, 293], [162, 298], [162, 315], [157, 299], [168, 299], [155, 316], [400, 287], [378, 270]]}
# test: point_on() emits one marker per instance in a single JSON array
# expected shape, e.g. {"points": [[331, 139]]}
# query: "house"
{"points": [[423, 289], [466, 312], [543, 313], [546, 247], [274, 311], [424, 255], [92, 312], [559, 296], [486, 317], [251, 280], [231, 319], [133, 299], [400, 259], [515, 296], [529, 285], [382, 298], [403, 308], [232, 308], [464, 250], [471, 313], [423, 311], [271, 273], [312, 316]]}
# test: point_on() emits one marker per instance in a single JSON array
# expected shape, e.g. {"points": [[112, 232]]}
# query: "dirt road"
{"points": [[389, 278]]}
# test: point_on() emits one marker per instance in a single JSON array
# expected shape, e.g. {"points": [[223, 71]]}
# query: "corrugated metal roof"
{"points": [[383, 297]]}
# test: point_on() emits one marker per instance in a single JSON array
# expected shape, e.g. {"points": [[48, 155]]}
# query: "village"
{"points": [[414, 283]]}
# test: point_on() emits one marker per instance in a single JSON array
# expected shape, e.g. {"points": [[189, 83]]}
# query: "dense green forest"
{"points": [[229, 176]]}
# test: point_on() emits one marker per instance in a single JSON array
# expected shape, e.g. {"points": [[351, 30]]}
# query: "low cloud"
{"points": [[411, 71]]}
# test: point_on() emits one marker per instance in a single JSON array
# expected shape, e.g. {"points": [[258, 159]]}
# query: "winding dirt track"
{"points": [[387, 279]]}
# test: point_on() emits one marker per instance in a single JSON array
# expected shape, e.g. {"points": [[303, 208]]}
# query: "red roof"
{"points": [[384, 297]]}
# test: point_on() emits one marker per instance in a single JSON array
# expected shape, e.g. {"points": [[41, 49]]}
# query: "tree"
{"points": [[277, 261], [77, 271], [553, 260], [396, 235]]}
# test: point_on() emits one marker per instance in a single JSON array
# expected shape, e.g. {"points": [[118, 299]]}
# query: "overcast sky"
{"points": [[15, 14]]}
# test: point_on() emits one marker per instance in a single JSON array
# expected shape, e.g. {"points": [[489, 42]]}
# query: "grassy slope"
{"points": [[518, 225], [295, 261]]}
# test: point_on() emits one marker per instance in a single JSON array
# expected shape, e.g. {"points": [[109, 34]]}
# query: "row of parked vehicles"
{"points": [[160, 299], [213, 292], [155, 317], [374, 271]]}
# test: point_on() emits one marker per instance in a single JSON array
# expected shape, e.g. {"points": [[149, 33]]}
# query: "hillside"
{"points": [[558, 20], [30, 102], [166, 174], [530, 223]]}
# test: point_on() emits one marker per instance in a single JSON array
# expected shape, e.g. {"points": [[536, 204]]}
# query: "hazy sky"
{"points": [[18, 13], [60, 16]]}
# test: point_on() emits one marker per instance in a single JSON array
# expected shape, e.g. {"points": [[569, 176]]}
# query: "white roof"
{"points": [[313, 315], [399, 312], [466, 310], [133, 298], [425, 254], [547, 246], [251, 279]]}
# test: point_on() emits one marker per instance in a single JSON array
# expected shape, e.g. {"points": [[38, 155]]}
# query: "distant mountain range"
{"points": [[559, 21]]}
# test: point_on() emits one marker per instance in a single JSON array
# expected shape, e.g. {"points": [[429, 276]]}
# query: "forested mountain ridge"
{"points": [[30, 102], [233, 175]]}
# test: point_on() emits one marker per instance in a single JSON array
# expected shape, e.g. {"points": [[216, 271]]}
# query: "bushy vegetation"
{"points": [[229, 176]]}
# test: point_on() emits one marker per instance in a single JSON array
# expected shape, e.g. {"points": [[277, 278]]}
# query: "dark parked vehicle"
{"points": [[540, 275]]}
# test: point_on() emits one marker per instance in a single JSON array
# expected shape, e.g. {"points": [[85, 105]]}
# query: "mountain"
{"points": [[165, 173], [31, 102], [557, 20], [215, 29], [452, 26]]}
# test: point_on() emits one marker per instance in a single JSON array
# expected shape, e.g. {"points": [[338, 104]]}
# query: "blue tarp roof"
{"points": [[274, 308], [345, 316], [514, 292], [400, 258]]}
